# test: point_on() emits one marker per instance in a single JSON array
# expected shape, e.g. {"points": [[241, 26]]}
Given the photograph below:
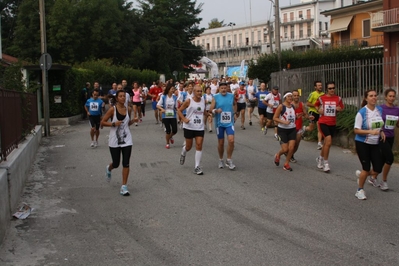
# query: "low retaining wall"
{"points": [[65, 121], [13, 175]]}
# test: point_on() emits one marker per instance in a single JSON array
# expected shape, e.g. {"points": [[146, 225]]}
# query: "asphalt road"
{"points": [[258, 214]]}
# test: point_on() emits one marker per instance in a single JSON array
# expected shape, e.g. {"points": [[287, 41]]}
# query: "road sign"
{"points": [[45, 61]]}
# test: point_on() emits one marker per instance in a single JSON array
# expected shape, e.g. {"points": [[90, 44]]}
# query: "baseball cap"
{"points": [[275, 88], [242, 83]]}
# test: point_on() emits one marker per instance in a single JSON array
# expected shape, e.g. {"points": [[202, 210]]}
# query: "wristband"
{"points": [[213, 111], [113, 124]]}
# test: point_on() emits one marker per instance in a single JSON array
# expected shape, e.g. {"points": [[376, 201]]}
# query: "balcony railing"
{"points": [[296, 20], [361, 42], [385, 18]]}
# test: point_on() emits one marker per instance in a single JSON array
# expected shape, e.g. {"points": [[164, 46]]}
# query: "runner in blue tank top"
{"points": [[224, 107]]}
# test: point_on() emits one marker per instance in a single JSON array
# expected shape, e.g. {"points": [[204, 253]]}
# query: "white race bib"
{"points": [[93, 106], [376, 123], [225, 117], [330, 109], [169, 112]]}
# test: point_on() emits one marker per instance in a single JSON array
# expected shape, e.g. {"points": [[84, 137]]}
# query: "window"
{"points": [[285, 17], [246, 41], [224, 41], [366, 28], [217, 42], [309, 27], [320, 25], [286, 32], [300, 14], [240, 39], [292, 32], [326, 24], [308, 14], [292, 16], [259, 37], [229, 43], [213, 43], [235, 39], [301, 30]]}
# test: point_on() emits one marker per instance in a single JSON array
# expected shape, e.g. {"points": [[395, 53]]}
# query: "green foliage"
{"points": [[158, 36], [12, 77], [268, 63], [346, 118], [215, 23]]}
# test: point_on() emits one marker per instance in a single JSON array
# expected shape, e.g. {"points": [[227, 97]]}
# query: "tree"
{"points": [[215, 23], [170, 27]]}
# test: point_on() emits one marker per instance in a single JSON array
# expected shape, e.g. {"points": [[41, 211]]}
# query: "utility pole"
{"points": [[277, 32], [43, 46], [269, 30]]}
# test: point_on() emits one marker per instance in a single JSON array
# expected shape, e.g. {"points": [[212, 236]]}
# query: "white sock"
{"points": [[183, 151], [198, 155], [325, 162]]}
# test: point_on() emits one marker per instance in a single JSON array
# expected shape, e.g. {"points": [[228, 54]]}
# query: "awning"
{"points": [[340, 24]]}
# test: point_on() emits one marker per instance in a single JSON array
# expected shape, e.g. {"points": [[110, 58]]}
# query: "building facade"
{"points": [[301, 27]]}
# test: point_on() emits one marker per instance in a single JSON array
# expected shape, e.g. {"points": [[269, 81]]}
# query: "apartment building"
{"points": [[301, 27]]}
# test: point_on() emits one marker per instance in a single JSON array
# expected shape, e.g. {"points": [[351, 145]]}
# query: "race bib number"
{"points": [[330, 110], [291, 118], [377, 123], [169, 112], [197, 121], [94, 106], [262, 97], [391, 121], [225, 117], [275, 104]]}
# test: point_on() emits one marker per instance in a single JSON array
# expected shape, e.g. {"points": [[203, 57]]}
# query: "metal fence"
{"points": [[351, 79], [18, 116]]}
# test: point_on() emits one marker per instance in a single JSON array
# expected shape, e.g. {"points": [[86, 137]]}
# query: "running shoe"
{"points": [[320, 163], [358, 173], [124, 191], [95, 144], [326, 168], [161, 125], [292, 160], [135, 124], [210, 130], [384, 185], [360, 194], [230, 165], [373, 181], [277, 137], [250, 122], [108, 174], [319, 146], [287, 167], [92, 144], [198, 171], [242, 127], [167, 146], [221, 164], [303, 132], [182, 159], [276, 160], [172, 141]]}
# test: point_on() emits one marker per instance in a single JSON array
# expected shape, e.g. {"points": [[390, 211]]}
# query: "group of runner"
{"points": [[219, 105]]}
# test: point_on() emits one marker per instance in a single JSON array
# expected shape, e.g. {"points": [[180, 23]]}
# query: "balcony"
{"points": [[385, 21], [374, 41], [296, 20]]}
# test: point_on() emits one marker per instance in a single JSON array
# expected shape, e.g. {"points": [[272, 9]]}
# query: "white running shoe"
{"points": [[230, 165], [373, 181], [124, 191], [108, 174], [360, 194], [182, 159], [221, 164], [95, 144], [320, 163], [319, 146], [326, 168], [198, 171], [92, 144], [384, 185]]}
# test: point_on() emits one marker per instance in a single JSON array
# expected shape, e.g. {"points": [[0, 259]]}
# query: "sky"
{"points": [[240, 12]]}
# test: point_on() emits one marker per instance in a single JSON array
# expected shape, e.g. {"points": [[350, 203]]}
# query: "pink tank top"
{"points": [[136, 96]]}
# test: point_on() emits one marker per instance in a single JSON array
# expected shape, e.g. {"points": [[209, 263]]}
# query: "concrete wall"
{"points": [[65, 120], [13, 174]]}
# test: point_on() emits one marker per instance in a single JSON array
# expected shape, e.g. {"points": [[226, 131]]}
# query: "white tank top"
{"points": [[289, 115], [195, 113], [208, 100], [120, 136]]}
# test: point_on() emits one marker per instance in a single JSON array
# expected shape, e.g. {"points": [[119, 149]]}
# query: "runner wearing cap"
{"points": [[272, 100], [241, 97]]}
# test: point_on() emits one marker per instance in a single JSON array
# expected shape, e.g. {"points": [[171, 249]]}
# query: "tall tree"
{"points": [[171, 26], [215, 23]]}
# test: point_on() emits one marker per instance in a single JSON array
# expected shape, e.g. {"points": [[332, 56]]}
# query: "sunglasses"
{"points": [[331, 88]]}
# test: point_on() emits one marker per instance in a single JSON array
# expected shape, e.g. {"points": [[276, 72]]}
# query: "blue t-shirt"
{"points": [[224, 102], [261, 95], [94, 106]]}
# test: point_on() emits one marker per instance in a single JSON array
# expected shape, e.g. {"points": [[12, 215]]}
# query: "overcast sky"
{"points": [[239, 11]]}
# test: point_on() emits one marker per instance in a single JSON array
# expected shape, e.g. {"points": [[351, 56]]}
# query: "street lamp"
{"points": [[231, 24]]}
